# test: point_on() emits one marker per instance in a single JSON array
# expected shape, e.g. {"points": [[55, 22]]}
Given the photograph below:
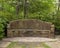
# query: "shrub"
{"points": [[2, 26], [1, 31]]}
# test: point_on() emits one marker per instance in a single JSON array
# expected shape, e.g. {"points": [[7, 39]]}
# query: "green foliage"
{"points": [[41, 8], [1, 29], [57, 20], [36, 9], [2, 23]]}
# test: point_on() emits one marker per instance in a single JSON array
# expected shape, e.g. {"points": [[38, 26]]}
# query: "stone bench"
{"points": [[30, 28]]}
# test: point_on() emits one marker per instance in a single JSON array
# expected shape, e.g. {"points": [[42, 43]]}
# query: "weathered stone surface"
{"points": [[4, 44], [30, 27]]}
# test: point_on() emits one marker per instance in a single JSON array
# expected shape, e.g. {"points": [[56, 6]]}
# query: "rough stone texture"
{"points": [[54, 44], [29, 39], [4, 44], [30, 27]]}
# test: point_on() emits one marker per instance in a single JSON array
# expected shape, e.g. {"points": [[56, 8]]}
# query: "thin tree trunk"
{"points": [[25, 8], [17, 7]]}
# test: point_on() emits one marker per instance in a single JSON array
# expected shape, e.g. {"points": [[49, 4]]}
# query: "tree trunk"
{"points": [[17, 7], [25, 8]]}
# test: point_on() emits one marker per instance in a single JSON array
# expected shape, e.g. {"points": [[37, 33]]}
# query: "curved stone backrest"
{"points": [[29, 24], [30, 28]]}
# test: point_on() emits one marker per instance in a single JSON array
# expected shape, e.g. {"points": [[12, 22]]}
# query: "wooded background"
{"points": [[45, 10]]}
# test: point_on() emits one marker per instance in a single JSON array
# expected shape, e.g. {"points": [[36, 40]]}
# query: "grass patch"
{"points": [[45, 46], [17, 45], [11, 45]]}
